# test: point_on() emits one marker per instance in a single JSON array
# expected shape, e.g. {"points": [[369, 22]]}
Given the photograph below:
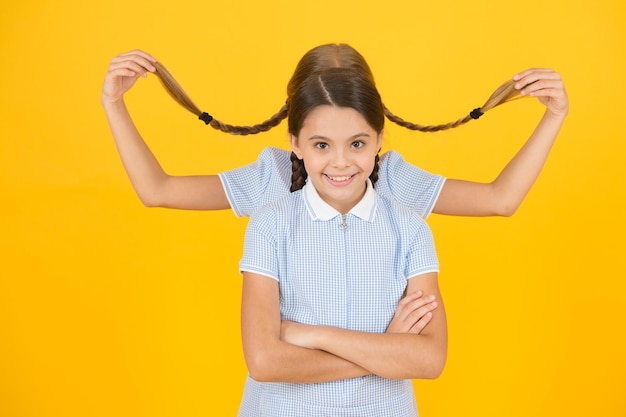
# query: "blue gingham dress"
{"points": [[268, 178], [331, 275]]}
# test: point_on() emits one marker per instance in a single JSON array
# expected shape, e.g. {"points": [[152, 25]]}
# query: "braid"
{"points": [[254, 129], [174, 89], [503, 94], [430, 128], [298, 173], [374, 174]]}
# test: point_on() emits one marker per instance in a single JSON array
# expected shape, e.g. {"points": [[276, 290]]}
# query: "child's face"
{"points": [[338, 148]]}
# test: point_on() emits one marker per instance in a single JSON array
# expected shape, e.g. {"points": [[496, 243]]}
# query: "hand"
{"points": [[547, 86], [123, 71], [414, 312]]}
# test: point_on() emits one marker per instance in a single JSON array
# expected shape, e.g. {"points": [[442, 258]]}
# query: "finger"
{"points": [[121, 73], [531, 77], [415, 305], [139, 60], [138, 52], [136, 67], [412, 303], [139, 65], [554, 94], [398, 322], [531, 71], [417, 299], [544, 87], [409, 298], [421, 323], [419, 312]]}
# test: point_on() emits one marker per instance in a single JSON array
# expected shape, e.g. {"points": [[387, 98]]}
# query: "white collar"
{"points": [[320, 210]]}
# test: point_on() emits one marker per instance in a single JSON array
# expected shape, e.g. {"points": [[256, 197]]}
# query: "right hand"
{"points": [[414, 312], [547, 85], [123, 71]]}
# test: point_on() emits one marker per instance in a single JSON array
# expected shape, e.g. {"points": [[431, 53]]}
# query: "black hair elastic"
{"points": [[206, 118], [476, 113]]}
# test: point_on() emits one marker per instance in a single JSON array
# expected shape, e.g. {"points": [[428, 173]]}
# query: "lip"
{"points": [[341, 183]]}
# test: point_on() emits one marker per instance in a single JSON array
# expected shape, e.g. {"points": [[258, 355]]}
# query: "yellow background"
{"points": [[108, 308]]}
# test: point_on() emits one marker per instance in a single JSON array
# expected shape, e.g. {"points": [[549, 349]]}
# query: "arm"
{"points": [[390, 355], [504, 195], [269, 358], [152, 184]]}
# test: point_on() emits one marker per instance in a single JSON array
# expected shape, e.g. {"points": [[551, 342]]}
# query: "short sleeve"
{"points": [[407, 184], [260, 248], [252, 186], [422, 255]]}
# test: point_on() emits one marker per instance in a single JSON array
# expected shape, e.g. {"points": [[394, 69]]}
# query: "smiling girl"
{"points": [[325, 268]]}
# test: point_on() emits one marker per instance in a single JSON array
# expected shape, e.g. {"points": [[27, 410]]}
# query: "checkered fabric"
{"points": [[350, 277], [268, 178]]}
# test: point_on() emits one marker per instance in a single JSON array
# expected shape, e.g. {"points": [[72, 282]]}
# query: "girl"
{"points": [[325, 267], [248, 188]]}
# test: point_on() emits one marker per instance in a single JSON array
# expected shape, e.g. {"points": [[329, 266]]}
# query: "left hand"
{"points": [[547, 86], [414, 312]]}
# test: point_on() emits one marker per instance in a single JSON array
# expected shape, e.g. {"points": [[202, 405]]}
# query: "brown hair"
{"points": [[339, 87], [328, 56], [503, 94], [178, 94], [318, 59]]}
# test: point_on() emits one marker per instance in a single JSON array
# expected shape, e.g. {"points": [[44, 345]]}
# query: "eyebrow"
{"points": [[358, 135]]}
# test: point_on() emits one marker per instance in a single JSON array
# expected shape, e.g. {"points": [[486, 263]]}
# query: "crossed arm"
{"points": [[414, 346]]}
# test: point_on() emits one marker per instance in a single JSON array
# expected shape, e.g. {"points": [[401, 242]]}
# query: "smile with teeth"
{"points": [[339, 179]]}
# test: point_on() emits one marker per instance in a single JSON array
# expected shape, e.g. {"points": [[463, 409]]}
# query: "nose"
{"points": [[341, 158]]}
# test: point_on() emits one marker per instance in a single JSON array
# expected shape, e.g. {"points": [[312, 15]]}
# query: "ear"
{"points": [[379, 142], [294, 146]]}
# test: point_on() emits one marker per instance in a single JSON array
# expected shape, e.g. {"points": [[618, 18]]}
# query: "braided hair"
{"points": [[503, 94], [178, 94], [314, 61]]}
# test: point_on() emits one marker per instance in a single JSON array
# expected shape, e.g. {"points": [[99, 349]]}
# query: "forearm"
{"points": [[394, 355], [142, 168], [268, 356], [283, 362], [390, 355], [517, 178], [504, 195]]}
